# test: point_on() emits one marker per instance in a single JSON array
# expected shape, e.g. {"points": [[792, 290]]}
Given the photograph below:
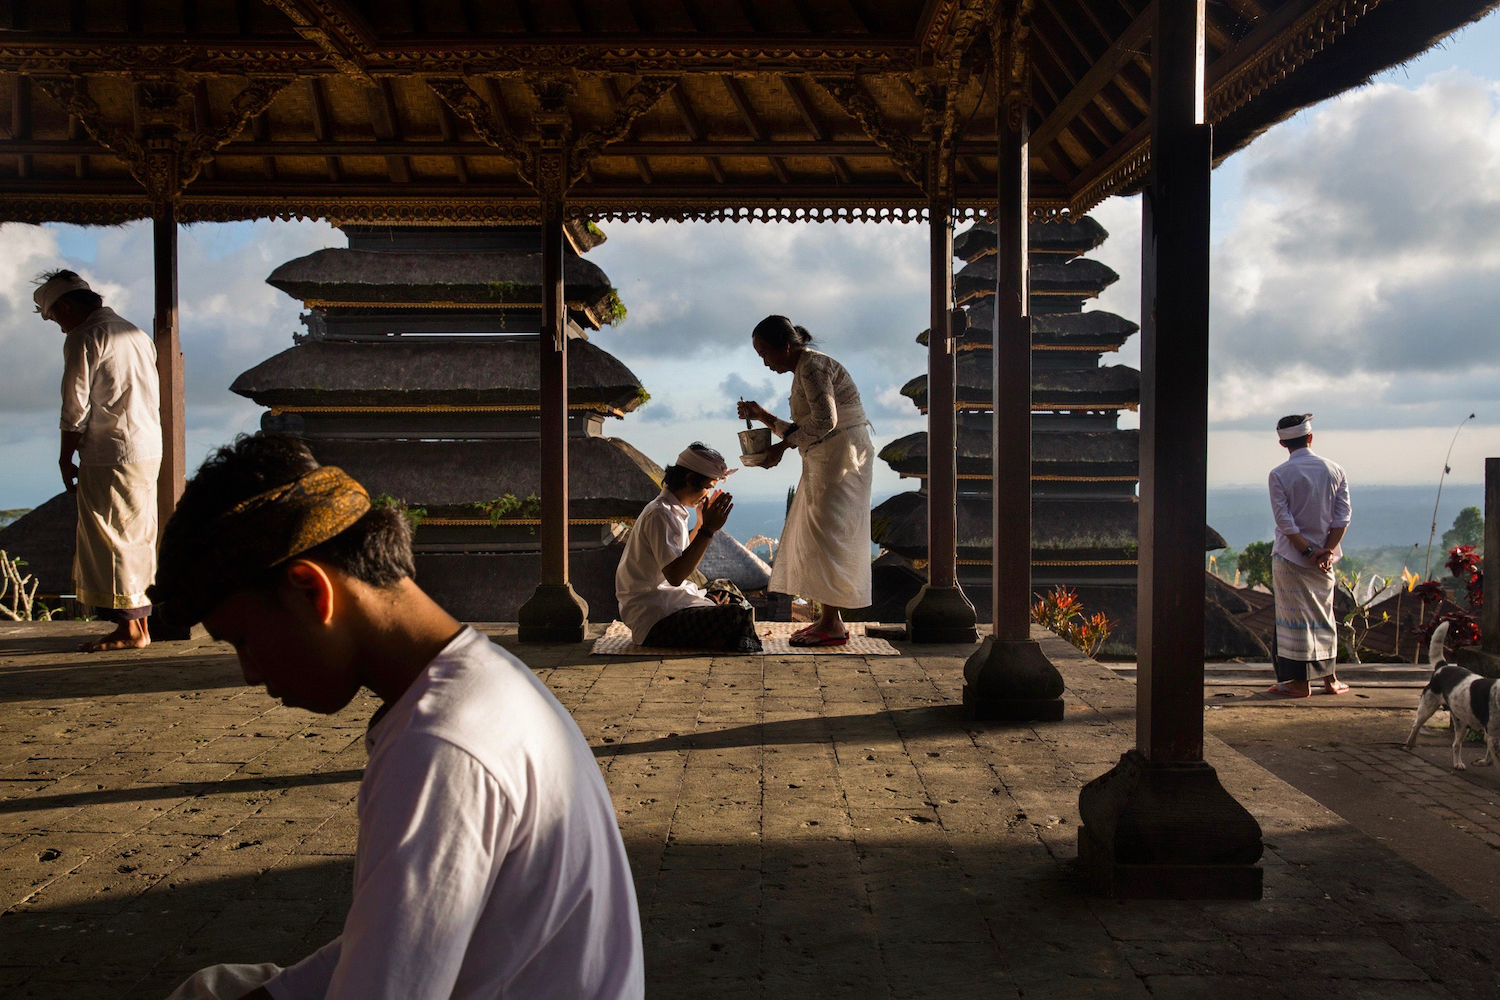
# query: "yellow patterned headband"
{"points": [[252, 537]]}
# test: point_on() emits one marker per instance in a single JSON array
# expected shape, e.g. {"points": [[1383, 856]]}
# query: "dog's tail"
{"points": [[1435, 646]]}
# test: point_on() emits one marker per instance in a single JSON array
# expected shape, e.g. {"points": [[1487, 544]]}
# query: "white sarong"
{"points": [[115, 560], [824, 552], [1305, 628], [225, 982]]}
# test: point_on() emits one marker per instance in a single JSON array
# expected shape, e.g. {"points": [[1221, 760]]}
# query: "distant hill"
{"points": [[15, 513]]}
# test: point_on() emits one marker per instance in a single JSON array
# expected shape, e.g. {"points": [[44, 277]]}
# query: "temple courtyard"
{"points": [[799, 826]]}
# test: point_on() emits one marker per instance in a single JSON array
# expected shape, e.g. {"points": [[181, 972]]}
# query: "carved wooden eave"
{"points": [[818, 109]]}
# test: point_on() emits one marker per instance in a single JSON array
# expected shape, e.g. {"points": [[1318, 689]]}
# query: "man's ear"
{"points": [[314, 586]]}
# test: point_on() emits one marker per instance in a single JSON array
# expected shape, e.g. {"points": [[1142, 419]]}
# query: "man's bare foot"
{"points": [[1290, 689], [1335, 686], [129, 634]]}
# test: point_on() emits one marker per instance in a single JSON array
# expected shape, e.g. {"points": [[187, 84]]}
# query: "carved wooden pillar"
{"points": [[555, 613], [1010, 677], [1160, 824], [1485, 658], [940, 612]]}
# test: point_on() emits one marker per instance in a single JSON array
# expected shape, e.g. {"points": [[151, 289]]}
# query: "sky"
{"points": [[1356, 275]]}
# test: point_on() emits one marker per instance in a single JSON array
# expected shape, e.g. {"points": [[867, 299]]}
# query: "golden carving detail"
{"points": [[474, 109], [907, 152], [640, 99]]}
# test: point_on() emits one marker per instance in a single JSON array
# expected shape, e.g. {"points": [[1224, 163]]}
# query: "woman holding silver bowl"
{"points": [[824, 553]]}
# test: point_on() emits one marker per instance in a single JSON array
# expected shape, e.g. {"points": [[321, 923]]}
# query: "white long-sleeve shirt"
{"points": [[489, 862], [110, 391], [1310, 497]]}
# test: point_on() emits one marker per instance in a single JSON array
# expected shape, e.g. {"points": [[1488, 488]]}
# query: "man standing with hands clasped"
{"points": [[111, 419], [1310, 501]]}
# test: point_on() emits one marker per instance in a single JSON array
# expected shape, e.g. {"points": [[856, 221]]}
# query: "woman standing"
{"points": [[824, 554]]}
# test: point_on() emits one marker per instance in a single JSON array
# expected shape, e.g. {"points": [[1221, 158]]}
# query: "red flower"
{"points": [[1430, 592], [1464, 562]]}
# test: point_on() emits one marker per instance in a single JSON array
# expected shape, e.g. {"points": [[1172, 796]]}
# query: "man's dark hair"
{"points": [[677, 477], [1292, 420], [81, 300], [376, 549]]}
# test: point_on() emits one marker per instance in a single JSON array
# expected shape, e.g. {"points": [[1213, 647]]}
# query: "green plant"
{"points": [[613, 311], [18, 593], [510, 506], [1358, 622], [1468, 529], [1061, 611], [1255, 564], [503, 291], [413, 515]]}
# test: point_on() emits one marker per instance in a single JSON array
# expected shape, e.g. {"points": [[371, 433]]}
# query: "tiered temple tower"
{"points": [[1084, 466], [418, 375]]}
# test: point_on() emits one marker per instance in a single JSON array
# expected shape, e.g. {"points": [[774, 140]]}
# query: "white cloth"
{"points": [[224, 982], [110, 391], [820, 387], [1310, 497], [114, 556], [659, 536], [824, 552], [489, 862]]}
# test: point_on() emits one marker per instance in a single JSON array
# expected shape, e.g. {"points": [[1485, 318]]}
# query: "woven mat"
{"points": [[774, 637]]}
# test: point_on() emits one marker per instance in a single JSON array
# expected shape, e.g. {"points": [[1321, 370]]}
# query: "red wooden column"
{"points": [[1159, 824], [940, 612], [555, 613], [169, 363], [1009, 677]]}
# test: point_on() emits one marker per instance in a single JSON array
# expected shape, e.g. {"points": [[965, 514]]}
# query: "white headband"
{"points": [[704, 463], [46, 295], [1295, 431]]}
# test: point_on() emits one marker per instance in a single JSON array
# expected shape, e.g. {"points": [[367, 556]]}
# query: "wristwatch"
{"points": [[1307, 552]]}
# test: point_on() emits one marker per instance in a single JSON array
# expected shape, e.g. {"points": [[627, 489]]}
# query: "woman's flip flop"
{"points": [[1281, 691], [815, 638], [1338, 687]]}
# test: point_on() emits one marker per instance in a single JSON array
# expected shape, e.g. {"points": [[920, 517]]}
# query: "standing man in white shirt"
{"points": [[489, 864], [111, 419], [658, 602], [1310, 502]]}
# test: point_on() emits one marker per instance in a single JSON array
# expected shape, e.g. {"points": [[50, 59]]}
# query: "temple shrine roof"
{"points": [[1055, 237], [1061, 454], [1095, 330], [434, 372], [1079, 278], [1109, 387]]}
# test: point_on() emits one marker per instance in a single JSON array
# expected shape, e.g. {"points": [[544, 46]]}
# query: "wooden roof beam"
{"points": [[323, 128], [858, 149], [695, 130], [487, 121], [448, 126], [1121, 51], [334, 27], [752, 124], [20, 121], [387, 127], [820, 132], [641, 98], [908, 155]]}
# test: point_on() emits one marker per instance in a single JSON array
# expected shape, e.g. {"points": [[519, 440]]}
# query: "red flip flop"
{"points": [[1281, 691]]}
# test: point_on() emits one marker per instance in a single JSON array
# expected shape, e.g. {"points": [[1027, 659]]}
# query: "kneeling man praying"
{"points": [[658, 602], [488, 863]]}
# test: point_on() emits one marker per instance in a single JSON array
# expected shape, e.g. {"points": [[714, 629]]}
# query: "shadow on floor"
{"points": [[109, 796], [138, 674]]}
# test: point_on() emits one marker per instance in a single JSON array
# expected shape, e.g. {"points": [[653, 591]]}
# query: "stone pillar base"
{"points": [[1476, 659], [1012, 682], [940, 614], [1167, 831], [555, 613]]}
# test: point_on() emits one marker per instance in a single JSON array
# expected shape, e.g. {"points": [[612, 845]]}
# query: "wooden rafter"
{"points": [[1120, 51], [642, 166], [814, 125], [640, 99], [752, 124], [335, 28], [323, 127], [694, 130], [908, 154], [468, 105]]}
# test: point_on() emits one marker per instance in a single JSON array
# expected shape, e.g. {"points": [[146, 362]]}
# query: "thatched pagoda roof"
{"points": [[727, 559], [607, 477], [1057, 238], [433, 372], [45, 538], [1053, 453], [1060, 528], [392, 278], [426, 112], [1112, 386], [1095, 330], [1079, 278]]}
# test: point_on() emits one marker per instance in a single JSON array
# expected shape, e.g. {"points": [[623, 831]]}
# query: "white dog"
{"points": [[1472, 700]]}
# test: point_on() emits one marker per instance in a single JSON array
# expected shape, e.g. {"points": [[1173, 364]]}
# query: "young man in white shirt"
{"points": [[1310, 502], [489, 863], [658, 602], [111, 418]]}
